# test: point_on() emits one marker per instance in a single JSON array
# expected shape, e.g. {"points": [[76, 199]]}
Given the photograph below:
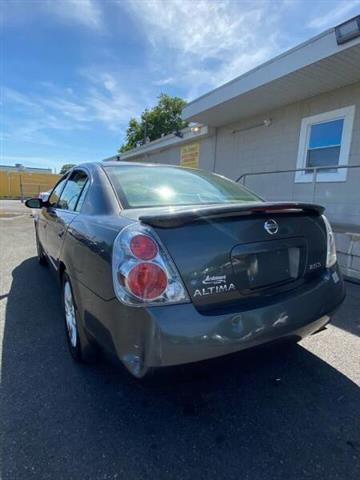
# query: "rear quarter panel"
{"points": [[87, 251]]}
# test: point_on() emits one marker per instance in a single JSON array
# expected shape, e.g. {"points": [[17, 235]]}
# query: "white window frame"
{"points": [[347, 114]]}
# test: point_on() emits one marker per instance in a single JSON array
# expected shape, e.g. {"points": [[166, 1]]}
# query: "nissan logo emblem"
{"points": [[271, 226]]}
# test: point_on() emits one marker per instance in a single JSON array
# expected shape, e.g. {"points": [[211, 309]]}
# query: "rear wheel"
{"points": [[80, 348]]}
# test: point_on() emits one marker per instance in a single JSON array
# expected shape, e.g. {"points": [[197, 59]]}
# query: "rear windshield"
{"points": [[141, 186]]}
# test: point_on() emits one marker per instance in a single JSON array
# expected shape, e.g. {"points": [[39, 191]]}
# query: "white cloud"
{"points": [[10, 95], [108, 101], [207, 43], [164, 81], [66, 108], [29, 117], [34, 117], [86, 12], [335, 15]]}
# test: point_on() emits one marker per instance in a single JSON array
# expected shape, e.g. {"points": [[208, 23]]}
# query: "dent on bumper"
{"points": [[178, 334], [184, 335]]}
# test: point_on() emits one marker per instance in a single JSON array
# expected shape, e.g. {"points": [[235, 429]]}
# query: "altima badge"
{"points": [[214, 290], [214, 279], [271, 226]]}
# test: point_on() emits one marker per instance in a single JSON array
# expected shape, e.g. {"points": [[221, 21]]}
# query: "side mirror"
{"points": [[34, 203]]}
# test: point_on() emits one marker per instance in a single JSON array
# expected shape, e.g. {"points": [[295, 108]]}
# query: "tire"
{"points": [[40, 251], [80, 347]]}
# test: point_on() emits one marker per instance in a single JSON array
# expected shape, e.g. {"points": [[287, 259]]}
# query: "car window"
{"points": [[150, 186], [82, 196], [55, 194], [72, 190]]}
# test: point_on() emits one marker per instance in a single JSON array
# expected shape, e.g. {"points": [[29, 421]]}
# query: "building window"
{"points": [[325, 142]]}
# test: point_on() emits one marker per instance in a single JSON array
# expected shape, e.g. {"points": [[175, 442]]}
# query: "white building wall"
{"points": [[241, 150], [171, 156], [207, 153]]}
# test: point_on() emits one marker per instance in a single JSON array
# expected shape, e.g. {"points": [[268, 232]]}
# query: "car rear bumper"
{"points": [[185, 335], [178, 334]]}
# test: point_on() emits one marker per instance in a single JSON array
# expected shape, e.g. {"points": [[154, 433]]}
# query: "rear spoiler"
{"points": [[179, 218]]}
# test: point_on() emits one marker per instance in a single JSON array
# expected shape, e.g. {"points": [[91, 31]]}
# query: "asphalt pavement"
{"points": [[277, 413]]}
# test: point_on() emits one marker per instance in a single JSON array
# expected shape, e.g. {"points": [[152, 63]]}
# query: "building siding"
{"points": [[276, 148]]}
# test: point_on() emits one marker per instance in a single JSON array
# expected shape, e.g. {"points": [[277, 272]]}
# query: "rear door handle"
{"points": [[61, 233]]}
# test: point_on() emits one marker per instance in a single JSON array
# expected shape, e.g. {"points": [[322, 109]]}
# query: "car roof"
{"points": [[118, 163], [147, 164]]}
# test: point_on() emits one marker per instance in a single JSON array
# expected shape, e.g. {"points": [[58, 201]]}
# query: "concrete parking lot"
{"points": [[271, 414]]}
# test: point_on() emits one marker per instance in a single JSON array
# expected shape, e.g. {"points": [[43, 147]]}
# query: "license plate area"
{"points": [[268, 264]]}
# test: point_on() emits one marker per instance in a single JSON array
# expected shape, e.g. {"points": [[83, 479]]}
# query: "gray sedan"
{"points": [[162, 265]]}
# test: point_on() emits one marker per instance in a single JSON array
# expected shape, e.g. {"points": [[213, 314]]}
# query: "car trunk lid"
{"points": [[173, 217], [247, 253]]}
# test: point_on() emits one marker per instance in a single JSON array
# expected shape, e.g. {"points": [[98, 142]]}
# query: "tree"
{"points": [[66, 167], [162, 119]]}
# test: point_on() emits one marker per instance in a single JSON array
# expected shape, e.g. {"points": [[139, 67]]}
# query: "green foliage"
{"points": [[162, 119], [66, 167]]}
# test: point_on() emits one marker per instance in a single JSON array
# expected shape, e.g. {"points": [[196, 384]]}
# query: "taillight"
{"points": [[147, 281], [143, 271], [331, 248], [143, 247]]}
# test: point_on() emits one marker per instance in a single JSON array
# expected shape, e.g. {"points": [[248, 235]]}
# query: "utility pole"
{"points": [[21, 189], [145, 127]]}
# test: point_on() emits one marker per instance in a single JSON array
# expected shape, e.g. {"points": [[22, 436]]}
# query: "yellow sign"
{"points": [[189, 155]]}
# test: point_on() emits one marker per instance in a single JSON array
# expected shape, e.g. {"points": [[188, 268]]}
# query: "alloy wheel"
{"points": [[70, 315]]}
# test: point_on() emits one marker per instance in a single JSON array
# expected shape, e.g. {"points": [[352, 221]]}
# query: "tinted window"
{"points": [[72, 191], [82, 196], [150, 186], [55, 195], [324, 144], [326, 134]]}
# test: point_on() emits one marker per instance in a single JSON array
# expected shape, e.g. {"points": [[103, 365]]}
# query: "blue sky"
{"points": [[75, 71]]}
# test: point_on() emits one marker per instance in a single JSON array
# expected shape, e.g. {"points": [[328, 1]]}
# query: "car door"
{"points": [[63, 212], [47, 214]]}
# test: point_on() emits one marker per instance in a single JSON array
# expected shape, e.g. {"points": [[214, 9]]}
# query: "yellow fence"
{"points": [[25, 184]]}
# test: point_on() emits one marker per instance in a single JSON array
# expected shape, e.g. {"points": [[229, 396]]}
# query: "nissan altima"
{"points": [[162, 265]]}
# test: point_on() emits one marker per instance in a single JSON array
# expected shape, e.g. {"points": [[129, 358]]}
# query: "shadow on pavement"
{"points": [[344, 317], [265, 414]]}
